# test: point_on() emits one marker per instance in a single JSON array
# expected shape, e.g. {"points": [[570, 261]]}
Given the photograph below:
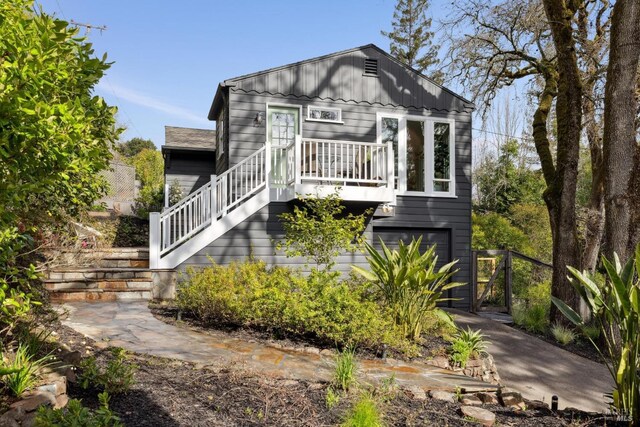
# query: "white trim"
{"points": [[428, 157], [267, 142], [311, 119]]}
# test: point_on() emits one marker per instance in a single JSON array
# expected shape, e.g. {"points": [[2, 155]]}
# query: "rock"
{"points": [[484, 417], [440, 362], [29, 420], [55, 384], [326, 352], [475, 363], [536, 404], [312, 350], [417, 392], [33, 402], [12, 417], [71, 357], [442, 395], [289, 383], [8, 422], [512, 399], [488, 398], [61, 401], [470, 399]]}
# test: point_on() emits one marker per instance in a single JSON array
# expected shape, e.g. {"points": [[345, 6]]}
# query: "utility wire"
{"points": [[524, 138]]}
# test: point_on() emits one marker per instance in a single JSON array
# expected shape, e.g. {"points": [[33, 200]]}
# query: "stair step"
{"points": [[100, 295], [63, 286], [79, 274]]}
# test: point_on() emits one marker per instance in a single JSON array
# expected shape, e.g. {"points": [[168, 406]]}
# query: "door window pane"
{"points": [[390, 133], [441, 156], [282, 128], [415, 155]]}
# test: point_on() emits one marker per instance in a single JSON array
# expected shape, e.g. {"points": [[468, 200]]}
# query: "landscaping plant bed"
{"points": [[173, 393], [430, 345]]}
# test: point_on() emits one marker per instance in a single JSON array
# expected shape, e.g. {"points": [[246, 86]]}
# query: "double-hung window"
{"points": [[423, 150]]}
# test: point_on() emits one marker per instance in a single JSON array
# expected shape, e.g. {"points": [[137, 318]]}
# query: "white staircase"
{"points": [[206, 214]]}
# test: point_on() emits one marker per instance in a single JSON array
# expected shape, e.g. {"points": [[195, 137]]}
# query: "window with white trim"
{"points": [[424, 157], [324, 114], [220, 134]]}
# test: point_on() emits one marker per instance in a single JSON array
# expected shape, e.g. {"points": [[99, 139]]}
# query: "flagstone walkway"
{"points": [[132, 326]]}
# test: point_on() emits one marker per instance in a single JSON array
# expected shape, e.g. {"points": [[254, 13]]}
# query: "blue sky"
{"points": [[169, 56]]}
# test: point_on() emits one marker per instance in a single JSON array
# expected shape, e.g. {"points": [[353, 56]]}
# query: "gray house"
{"points": [[359, 121]]}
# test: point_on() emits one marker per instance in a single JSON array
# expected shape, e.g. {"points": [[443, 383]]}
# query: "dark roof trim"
{"points": [[218, 100], [230, 82], [166, 148]]}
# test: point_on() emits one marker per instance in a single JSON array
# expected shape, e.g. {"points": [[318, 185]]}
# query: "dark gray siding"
{"points": [[339, 76], [257, 237], [191, 169]]}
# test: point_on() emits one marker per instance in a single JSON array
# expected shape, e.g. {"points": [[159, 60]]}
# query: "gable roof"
{"points": [[189, 139], [395, 85]]}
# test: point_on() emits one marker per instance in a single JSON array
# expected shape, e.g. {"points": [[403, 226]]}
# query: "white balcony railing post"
{"points": [[391, 173], [154, 240], [213, 199], [267, 163], [297, 164]]}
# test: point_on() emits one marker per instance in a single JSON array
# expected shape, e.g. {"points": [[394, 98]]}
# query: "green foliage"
{"points": [[318, 230], [76, 415], [615, 306], [502, 181], [344, 374], [121, 231], [134, 146], [494, 231], [332, 398], [116, 377], [562, 334], [282, 300], [365, 413], [591, 332], [467, 344], [55, 134], [534, 317], [411, 40], [149, 166], [15, 296], [23, 370], [408, 282]]}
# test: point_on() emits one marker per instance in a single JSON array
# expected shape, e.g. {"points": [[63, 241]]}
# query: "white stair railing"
{"points": [[178, 224]]}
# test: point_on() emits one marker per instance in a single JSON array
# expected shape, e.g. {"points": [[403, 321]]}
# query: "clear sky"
{"points": [[169, 56]]}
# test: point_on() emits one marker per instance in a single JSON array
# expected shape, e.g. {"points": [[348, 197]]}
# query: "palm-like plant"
{"points": [[615, 305], [409, 282]]}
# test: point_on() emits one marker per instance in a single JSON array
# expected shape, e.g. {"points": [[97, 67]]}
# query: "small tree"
{"points": [[411, 40], [134, 146], [319, 231], [149, 170]]}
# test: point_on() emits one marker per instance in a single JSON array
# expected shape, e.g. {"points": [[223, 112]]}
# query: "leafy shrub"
{"points": [[615, 305], [23, 370], [345, 370], [562, 334], [116, 377], [332, 398], [76, 415], [408, 282], [282, 300], [319, 231], [175, 192], [467, 344], [534, 318], [591, 332], [16, 300], [365, 413]]}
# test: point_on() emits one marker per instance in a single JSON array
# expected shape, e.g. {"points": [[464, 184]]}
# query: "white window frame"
{"points": [[220, 139], [315, 107], [429, 145]]}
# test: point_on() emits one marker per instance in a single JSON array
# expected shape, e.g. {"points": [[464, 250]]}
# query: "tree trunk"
{"points": [[619, 140], [561, 195]]}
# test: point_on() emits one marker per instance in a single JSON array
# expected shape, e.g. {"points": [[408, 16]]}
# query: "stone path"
{"points": [[540, 370], [132, 326]]}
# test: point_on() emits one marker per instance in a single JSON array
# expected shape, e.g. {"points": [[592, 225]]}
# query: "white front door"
{"points": [[283, 125]]}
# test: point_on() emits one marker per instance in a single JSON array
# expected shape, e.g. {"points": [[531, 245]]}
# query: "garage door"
{"points": [[391, 235]]}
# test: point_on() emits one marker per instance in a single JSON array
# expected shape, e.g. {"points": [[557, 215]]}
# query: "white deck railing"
{"points": [[344, 162], [222, 194]]}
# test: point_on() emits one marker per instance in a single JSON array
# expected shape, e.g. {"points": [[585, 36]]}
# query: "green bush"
{"points": [[615, 305], [345, 370], [534, 318], [562, 334], [365, 413], [23, 370], [409, 282], [116, 377], [76, 415], [467, 344], [282, 300]]}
